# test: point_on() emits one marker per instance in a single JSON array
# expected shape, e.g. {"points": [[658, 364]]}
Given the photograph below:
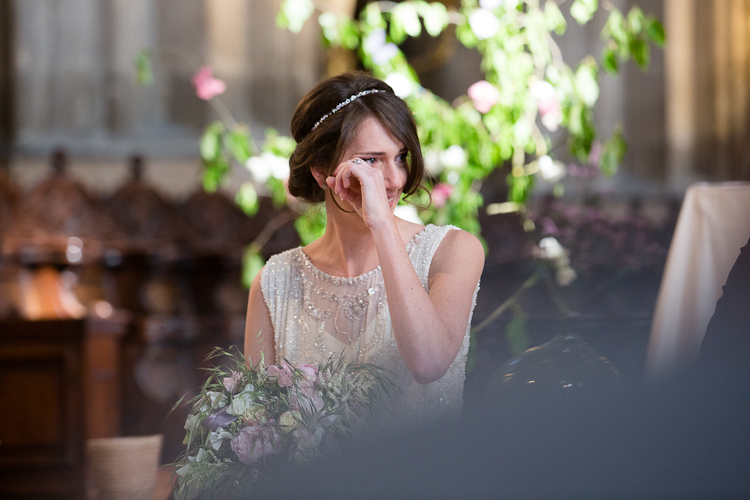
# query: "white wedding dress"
{"points": [[316, 315]]}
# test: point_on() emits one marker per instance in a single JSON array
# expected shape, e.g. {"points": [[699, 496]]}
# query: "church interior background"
{"points": [[118, 273]]}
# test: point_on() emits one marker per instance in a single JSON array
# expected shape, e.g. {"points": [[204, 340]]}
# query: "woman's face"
{"points": [[374, 145]]}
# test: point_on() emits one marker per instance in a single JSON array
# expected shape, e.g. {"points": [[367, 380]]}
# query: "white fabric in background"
{"points": [[714, 224]]}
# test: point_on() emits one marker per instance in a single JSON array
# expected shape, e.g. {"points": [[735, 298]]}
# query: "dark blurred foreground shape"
{"points": [[685, 438]]}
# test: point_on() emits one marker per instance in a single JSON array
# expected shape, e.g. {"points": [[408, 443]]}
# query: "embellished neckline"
{"points": [[341, 280]]}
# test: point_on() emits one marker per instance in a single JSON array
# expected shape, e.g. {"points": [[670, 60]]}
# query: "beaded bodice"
{"points": [[315, 315]]}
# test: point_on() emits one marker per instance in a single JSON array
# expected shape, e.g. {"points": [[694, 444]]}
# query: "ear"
{"points": [[320, 176]]}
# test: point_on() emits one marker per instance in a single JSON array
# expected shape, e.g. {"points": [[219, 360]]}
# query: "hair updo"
{"points": [[326, 145]]}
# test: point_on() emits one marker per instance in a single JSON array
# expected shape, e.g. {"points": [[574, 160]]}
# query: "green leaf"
{"points": [[247, 199], [516, 332], [555, 19], [348, 34], [610, 62], [144, 74], [372, 17], [615, 27], [641, 53], [210, 145], [435, 17], [280, 145], [614, 152], [311, 225], [329, 28], [466, 36], [636, 20], [240, 143], [294, 14], [583, 10], [214, 172], [586, 85], [520, 187], [406, 15], [252, 263], [655, 31]]}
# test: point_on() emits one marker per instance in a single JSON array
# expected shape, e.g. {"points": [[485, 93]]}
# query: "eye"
{"points": [[370, 161], [402, 158]]}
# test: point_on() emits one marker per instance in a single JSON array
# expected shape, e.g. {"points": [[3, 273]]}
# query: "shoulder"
{"points": [[458, 249], [282, 259]]}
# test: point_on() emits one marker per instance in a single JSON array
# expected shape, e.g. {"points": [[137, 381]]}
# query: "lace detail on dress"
{"points": [[315, 315]]}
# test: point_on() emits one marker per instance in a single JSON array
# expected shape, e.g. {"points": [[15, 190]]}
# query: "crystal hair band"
{"points": [[344, 103]]}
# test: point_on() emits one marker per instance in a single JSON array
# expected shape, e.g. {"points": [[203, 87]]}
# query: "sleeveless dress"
{"points": [[316, 315]]}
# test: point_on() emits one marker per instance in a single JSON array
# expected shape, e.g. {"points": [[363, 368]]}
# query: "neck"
{"points": [[346, 248]]}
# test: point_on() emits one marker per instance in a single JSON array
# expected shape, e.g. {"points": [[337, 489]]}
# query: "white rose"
{"points": [[454, 157], [484, 24], [551, 248], [432, 162], [401, 84], [279, 167], [551, 170]]}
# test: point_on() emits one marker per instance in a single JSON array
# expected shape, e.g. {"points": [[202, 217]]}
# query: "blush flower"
{"points": [[549, 106], [308, 440], [206, 86], [233, 382], [281, 373], [440, 194], [253, 442], [483, 95]]}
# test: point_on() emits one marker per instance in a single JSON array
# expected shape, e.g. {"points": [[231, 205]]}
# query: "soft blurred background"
{"points": [[119, 272]]}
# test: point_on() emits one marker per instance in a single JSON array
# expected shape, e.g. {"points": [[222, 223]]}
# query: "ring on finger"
{"points": [[357, 161]]}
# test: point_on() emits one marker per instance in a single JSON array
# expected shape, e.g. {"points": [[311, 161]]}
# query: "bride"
{"points": [[375, 287]]}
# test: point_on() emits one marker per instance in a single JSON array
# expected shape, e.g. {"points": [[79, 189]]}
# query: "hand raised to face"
{"points": [[371, 180]]}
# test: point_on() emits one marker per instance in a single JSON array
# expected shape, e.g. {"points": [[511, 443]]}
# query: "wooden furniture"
{"points": [[59, 384]]}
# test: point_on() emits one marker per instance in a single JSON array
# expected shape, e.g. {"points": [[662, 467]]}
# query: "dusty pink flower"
{"points": [[282, 373], [252, 442], [233, 382], [483, 95], [206, 86], [306, 398], [308, 440], [596, 153], [440, 194], [309, 372]]}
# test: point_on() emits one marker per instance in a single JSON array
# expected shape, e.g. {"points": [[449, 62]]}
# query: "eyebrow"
{"points": [[372, 153]]}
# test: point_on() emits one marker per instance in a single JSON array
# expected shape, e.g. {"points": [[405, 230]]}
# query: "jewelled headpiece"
{"points": [[344, 103]]}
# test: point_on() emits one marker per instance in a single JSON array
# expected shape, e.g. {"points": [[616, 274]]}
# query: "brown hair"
{"points": [[325, 146]]}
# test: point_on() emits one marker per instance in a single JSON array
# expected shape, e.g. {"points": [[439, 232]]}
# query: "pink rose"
{"points": [[253, 442], [233, 382], [281, 373], [483, 95], [206, 86], [440, 194]]}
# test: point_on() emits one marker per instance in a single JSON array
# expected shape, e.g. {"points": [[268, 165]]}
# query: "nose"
{"points": [[394, 175]]}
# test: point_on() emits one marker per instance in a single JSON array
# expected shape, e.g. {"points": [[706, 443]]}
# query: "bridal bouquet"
{"points": [[248, 423]]}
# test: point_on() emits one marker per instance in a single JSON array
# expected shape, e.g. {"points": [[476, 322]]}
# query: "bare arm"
{"points": [[258, 327], [428, 328]]}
